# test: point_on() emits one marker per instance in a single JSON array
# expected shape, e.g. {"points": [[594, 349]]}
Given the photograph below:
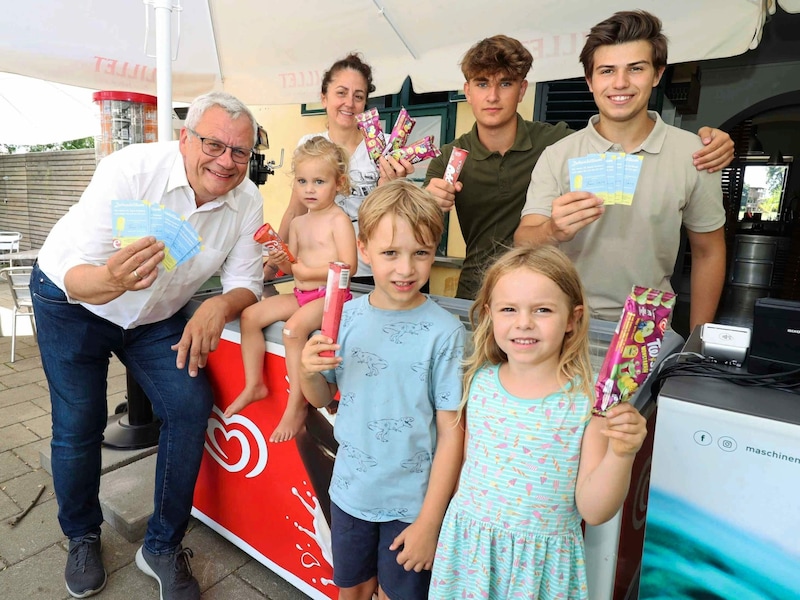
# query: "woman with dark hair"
{"points": [[346, 85], [345, 89]]}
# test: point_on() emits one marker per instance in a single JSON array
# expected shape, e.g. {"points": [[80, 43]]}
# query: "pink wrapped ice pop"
{"points": [[369, 122], [418, 151], [457, 158], [400, 132], [337, 293], [634, 347]]}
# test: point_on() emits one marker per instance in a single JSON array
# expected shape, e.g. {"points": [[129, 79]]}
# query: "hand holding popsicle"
{"points": [[269, 237], [444, 192], [625, 429], [277, 256], [391, 168]]}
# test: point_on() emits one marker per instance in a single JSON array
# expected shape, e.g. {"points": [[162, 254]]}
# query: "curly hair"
{"points": [[333, 154], [495, 55]]}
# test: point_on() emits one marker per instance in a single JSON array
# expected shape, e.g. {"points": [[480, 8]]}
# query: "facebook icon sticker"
{"points": [[702, 438]]}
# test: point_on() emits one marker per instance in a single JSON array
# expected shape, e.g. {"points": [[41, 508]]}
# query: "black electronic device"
{"points": [[260, 168], [775, 344]]}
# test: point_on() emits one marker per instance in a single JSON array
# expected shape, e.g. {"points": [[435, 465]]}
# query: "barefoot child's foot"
{"points": [[247, 396], [291, 422]]}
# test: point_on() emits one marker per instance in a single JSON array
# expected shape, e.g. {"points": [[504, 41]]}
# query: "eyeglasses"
{"points": [[215, 148]]}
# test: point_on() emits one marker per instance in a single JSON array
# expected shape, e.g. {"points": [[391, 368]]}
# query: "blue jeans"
{"points": [[76, 346]]}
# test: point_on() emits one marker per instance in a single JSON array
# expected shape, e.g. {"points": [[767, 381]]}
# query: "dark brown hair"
{"points": [[621, 28], [498, 54], [351, 61]]}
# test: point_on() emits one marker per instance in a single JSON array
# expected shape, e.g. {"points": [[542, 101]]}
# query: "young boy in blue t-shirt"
{"points": [[398, 370]]}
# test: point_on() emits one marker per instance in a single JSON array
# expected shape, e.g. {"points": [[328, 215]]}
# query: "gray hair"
{"points": [[227, 102]]}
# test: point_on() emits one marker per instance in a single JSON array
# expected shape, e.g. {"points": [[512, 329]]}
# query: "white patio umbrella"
{"points": [[33, 111], [271, 52]]}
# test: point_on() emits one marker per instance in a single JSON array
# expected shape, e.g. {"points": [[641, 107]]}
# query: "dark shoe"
{"points": [[85, 575], [172, 571]]}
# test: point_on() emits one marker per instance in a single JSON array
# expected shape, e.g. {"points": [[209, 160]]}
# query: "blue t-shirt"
{"points": [[399, 368]]}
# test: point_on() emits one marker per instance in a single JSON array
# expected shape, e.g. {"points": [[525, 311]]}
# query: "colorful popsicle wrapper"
{"points": [[418, 151], [454, 165], [337, 292], [400, 132], [634, 347], [369, 123], [269, 237]]}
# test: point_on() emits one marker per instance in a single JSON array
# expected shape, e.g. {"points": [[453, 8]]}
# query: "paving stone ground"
{"points": [[34, 552]]}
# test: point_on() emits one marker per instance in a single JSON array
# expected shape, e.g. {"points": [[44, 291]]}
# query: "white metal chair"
{"points": [[9, 242], [18, 279]]}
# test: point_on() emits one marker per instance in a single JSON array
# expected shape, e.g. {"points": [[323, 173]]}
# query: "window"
{"points": [[763, 189]]}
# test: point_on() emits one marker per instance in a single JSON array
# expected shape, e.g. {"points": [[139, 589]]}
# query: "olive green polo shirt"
{"points": [[495, 185]]}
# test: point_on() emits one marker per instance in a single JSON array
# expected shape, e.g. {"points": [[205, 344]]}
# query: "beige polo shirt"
{"points": [[637, 244]]}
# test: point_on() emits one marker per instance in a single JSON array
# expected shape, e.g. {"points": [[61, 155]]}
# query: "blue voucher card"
{"points": [[633, 166], [588, 174], [134, 219], [611, 176], [130, 220]]}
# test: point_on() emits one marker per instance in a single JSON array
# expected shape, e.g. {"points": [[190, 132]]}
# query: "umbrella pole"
{"points": [[163, 13], [136, 427]]}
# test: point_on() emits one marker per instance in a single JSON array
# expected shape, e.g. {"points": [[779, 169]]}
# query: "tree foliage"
{"points": [[79, 144]]}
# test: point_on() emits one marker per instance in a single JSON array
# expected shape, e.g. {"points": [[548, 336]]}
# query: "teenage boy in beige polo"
{"points": [[615, 247]]}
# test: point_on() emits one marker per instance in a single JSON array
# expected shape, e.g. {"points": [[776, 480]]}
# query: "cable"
{"points": [[692, 364]]}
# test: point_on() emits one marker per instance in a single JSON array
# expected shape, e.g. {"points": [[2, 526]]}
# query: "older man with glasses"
{"points": [[93, 298]]}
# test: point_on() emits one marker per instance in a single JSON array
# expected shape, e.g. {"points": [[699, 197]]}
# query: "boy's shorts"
{"points": [[361, 552]]}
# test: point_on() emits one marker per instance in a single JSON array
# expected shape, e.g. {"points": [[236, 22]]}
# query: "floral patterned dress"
{"points": [[513, 529]]}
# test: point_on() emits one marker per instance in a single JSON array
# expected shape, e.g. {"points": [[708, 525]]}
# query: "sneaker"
{"points": [[172, 571], [85, 575]]}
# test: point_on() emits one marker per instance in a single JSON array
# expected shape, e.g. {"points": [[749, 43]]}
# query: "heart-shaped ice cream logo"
{"points": [[218, 424]]}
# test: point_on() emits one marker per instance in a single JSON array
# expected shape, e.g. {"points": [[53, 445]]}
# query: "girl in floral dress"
{"points": [[536, 461]]}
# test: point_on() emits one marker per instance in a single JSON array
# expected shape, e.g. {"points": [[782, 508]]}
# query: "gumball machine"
{"points": [[125, 118]]}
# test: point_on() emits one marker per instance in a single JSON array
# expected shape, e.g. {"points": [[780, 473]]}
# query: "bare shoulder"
{"points": [[339, 218]]}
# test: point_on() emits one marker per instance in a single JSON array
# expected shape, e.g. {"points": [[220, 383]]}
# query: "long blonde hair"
{"points": [[573, 363]]}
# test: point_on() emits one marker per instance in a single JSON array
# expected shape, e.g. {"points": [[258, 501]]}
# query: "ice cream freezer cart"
{"points": [[271, 500], [724, 510]]}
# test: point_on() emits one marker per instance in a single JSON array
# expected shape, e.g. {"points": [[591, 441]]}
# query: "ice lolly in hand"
{"points": [[269, 237], [369, 122], [418, 151], [337, 293], [399, 135], [634, 347], [454, 165]]}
